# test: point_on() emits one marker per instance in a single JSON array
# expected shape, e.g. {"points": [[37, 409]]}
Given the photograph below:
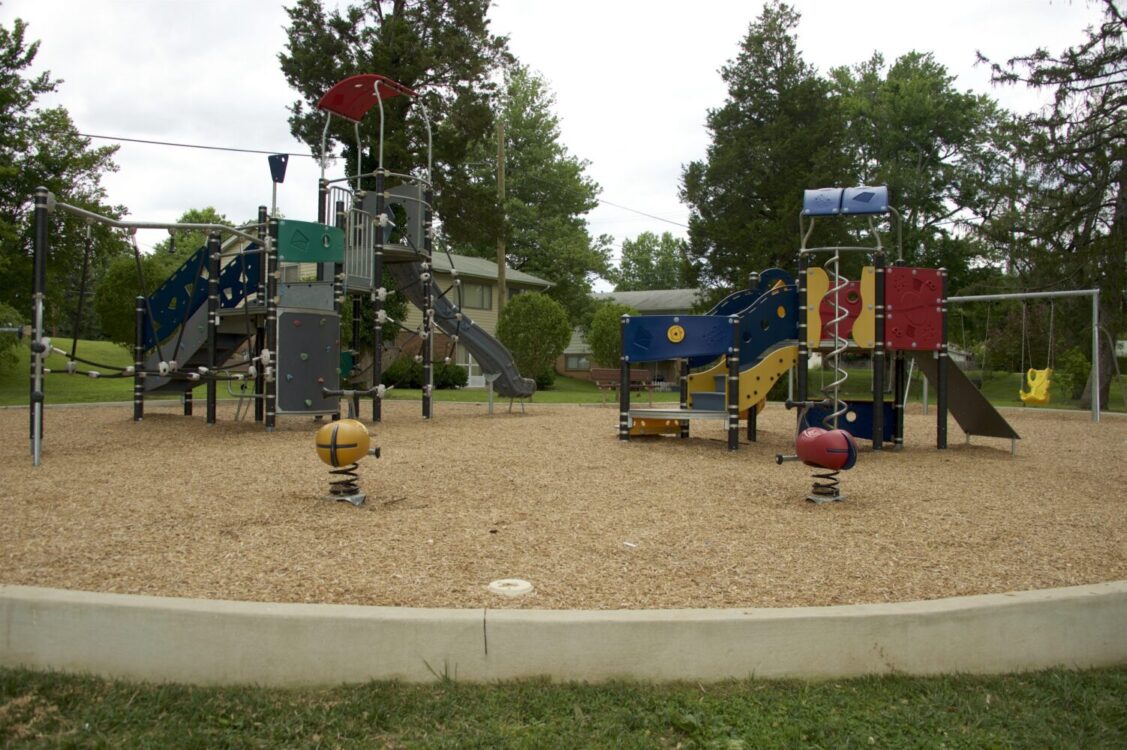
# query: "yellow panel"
{"points": [[817, 284], [865, 327], [755, 381], [655, 427]]}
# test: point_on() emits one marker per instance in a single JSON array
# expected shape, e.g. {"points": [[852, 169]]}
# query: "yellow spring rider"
{"points": [[1036, 388]]}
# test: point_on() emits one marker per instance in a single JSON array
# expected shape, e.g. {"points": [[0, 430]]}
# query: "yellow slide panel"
{"points": [[755, 381]]}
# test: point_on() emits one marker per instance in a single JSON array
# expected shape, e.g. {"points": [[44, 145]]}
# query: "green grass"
{"points": [[1058, 709]]}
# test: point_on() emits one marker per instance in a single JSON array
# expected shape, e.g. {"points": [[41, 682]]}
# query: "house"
{"points": [[575, 361], [479, 293]]}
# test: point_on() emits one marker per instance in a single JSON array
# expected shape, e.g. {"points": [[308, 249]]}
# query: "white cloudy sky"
{"points": [[633, 80]]}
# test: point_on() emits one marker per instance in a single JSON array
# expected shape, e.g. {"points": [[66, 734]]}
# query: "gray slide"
{"points": [[971, 410], [490, 353]]}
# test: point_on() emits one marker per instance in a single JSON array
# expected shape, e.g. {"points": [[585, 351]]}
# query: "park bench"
{"points": [[608, 379]]}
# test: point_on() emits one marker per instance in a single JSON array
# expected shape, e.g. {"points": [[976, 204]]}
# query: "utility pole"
{"points": [[501, 290]]}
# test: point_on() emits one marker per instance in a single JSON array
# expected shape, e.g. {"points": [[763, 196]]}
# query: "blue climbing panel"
{"points": [[857, 419], [186, 287]]}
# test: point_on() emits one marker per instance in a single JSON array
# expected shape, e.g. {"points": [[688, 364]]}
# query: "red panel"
{"points": [[912, 315], [850, 298], [355, 95]]}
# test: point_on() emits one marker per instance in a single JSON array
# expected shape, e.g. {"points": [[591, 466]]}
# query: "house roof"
{"points": [[484, 268], [655, 300]]}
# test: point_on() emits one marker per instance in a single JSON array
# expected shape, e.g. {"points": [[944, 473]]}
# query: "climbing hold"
{"points": [[309, 402], [304, 357]]}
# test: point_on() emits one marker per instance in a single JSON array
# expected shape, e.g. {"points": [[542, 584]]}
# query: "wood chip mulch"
{"points": [[173, 507]]}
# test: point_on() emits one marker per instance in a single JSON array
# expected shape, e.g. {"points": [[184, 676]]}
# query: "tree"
{"points": [[779, 132], [604, 335], [937, 149], [442, 49], [119, 288], [1069, 175], [182, 244], [651, 262], [547, 194], [536, 330], [42, 147]]}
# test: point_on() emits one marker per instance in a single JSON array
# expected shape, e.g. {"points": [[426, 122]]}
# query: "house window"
{"points": [[477, 296], [576, 362]]}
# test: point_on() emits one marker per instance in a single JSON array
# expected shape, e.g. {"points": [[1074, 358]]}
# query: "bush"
{"points": [[404, 372], [1071, 374], [604, 336], [546, 380], [536, 330], [9, 317], [449, 375]]}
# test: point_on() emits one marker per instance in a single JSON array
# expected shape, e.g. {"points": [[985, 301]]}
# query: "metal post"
{"points": [[188, 402], [38, 295], [941, 368], [270, 274], [260, 331], [377, 303], [878, 353], [338, 294], [1096, 356], [138, 358], [212, 322], [684, 385], [428, 305], [624, 385], [734, 386], [803, 347]]}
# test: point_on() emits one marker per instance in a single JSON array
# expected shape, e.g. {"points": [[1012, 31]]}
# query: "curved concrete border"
{"points": [[222, 642]]}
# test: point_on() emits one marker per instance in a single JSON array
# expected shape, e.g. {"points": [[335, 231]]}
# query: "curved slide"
{"points": [[490, 353]]}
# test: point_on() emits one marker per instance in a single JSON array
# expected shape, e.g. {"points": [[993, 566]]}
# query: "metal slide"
{"points": [[974, 413], [490, 353]]}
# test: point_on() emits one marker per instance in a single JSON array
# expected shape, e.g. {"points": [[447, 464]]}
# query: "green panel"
{"points": [[309, 242]]}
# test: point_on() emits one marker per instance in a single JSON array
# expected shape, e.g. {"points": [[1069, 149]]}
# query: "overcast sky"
{"points": [[633, 81]]}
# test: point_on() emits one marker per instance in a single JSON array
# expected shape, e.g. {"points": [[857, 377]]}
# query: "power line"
{"points": [[191, 145], [643, 213]]}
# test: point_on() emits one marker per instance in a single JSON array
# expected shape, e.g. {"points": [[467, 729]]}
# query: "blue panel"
{"points": [[646, 338], [861, 413], [865, 201], [182, 290], [822, 202]]}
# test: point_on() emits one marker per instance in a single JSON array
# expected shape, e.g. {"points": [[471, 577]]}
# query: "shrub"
{"points": [[449, 375], [9, 317], [404, 372], [1071, 374], [604, 336], [536, 330]]}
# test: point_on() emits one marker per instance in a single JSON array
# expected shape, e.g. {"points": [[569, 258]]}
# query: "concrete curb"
{"points": [[196, 641]]}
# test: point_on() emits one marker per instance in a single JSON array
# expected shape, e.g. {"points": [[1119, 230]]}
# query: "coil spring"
{"points": [[347, 484], [826, 482], [826, 487]]}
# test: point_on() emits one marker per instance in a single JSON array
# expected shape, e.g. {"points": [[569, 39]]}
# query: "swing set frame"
{"points": [[1093, 293]]}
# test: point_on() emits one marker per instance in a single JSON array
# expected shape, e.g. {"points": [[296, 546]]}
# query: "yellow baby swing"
{"points": [[1036, 388]]}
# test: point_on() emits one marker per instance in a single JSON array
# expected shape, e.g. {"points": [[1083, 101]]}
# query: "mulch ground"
{"points": [[173, 507]]}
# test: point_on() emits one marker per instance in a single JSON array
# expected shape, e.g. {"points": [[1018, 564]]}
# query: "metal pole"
{"points": [[624, 384], [270, 276], [734, 386], [212, 322], [260, 331], [803, 347], [377, 303], [684, 384], [941, 369], [39, 287], [428, 305], [878, 353], [139, 359], [1096, 356]]}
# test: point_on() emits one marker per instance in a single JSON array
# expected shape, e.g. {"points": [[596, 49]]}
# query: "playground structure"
{"points": [[753, 337], [231, 313]]}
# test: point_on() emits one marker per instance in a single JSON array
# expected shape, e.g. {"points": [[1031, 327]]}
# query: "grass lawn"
{"points": [[1000, 387], [1058, 709]]}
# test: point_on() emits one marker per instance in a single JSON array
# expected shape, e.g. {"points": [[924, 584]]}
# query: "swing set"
{"points": [[1037, 382]]}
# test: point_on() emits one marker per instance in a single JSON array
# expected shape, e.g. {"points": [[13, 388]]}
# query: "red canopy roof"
{"points": [[355, 95]]}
